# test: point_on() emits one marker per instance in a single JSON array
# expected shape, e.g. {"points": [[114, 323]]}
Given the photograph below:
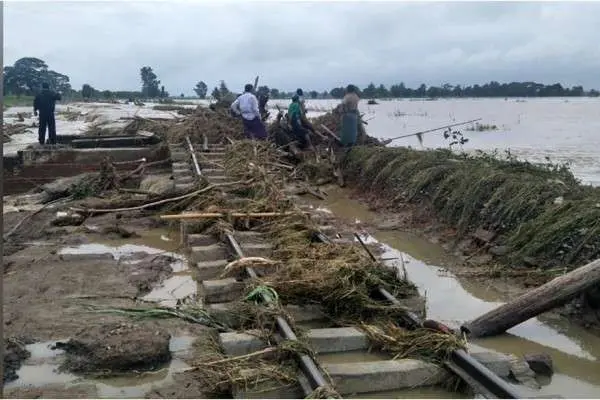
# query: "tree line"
{"points": [[27, 74]]}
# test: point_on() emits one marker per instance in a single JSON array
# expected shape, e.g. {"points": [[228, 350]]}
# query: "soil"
{"points": [[116, 347], [478, 262], [47, 298]]}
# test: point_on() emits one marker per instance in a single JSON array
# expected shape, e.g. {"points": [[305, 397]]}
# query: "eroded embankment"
{"points": [[532, 220]]}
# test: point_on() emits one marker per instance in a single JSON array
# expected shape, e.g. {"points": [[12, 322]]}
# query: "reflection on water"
{"points": [[455, 300], [41, 369]]}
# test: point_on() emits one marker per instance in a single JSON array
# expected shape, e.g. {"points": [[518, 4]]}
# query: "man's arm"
{"points": [[36, 104], [255, 107], [235, 106]]}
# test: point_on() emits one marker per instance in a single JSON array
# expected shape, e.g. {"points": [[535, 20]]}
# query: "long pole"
{"points": [[388, 141], [2, 211]]}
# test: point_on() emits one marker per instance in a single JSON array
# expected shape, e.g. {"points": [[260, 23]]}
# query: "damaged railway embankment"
{"points": [[507, 217]]}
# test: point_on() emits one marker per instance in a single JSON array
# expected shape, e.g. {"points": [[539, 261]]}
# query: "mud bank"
{"points": [[506, 218]]}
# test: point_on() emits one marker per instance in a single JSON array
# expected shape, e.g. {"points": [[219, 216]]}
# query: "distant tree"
{"points": [[182, 95], [27, 74], [275, 93], [370, 91], [163, 94], [223, 89], [382, 92], [107, 94], [201, 89], [216, 93], [87, 92], [594, 93], [150, 83], [313, 94], [337, 93]]}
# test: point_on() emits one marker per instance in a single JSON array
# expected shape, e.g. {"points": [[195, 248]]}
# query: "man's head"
{"points": [[299, 92], [45, 86], [249, 88]]}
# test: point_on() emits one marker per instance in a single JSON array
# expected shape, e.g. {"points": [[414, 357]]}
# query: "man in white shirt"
{"points": [[246, 105]]}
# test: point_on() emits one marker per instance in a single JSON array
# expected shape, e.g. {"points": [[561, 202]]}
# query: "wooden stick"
{"points": [[333, 135], [388, 141], [233, 214], [262, 352], [541, 299], [159, 202]]}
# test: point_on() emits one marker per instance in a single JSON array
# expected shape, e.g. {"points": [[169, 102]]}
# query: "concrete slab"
{"points": [[239, 343], [211, 252], [221, 312], [222, 290], [305, 313], [198, 239], [334, 340], [257, 249], [209, 270], [378, 376]]}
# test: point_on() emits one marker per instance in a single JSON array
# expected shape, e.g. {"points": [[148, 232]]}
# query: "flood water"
{"points": [[574, 351], [566, 130]]}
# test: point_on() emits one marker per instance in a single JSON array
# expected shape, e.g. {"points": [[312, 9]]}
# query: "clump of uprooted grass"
{"points": [[421, 343], [540, 211], [341, 278]]}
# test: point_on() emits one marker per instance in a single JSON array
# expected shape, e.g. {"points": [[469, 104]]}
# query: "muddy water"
{"points": [[42, 369], [575, 352]]}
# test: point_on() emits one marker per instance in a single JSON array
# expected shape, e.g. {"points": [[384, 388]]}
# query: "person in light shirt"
{"points": [[246, 105]]}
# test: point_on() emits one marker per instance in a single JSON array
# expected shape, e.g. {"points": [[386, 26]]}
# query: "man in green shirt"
{"points": [[295, 116]]}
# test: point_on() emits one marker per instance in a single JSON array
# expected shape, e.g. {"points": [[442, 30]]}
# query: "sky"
{"points": [[313, 45]]}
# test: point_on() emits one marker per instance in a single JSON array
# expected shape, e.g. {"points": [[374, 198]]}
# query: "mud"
{"points": [[116, 347], [149, 271], [14, 354]]}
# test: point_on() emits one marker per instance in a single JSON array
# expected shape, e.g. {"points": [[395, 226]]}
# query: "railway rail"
{"points": [[211, 256]]}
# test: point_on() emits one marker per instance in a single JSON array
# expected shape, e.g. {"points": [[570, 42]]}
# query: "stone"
{"points": [[540, 363], [62, 187], [222, 290], [64, 218]]}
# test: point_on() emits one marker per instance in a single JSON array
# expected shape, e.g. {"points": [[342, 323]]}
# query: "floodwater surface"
{"points": [[452, 300]]}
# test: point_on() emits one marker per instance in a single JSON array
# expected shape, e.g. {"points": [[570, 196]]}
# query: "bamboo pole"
{"points": [[233, 214], [541, 299], [388, 141]]}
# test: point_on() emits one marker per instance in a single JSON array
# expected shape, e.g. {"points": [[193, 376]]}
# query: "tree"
{"points": [[275, 93], [107, 94], [150, 83], [216, 93], [313, 94], [87, 91], [337, 93], [370, 91], [27, 75], [223, 90], [201, 89]]}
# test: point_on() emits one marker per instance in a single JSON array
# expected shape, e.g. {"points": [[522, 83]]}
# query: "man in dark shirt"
{"points": [[44, 102]]}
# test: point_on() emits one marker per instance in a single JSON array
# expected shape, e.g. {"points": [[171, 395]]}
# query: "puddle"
{"points": [[129, 386], [177, 287], [455, 300]]}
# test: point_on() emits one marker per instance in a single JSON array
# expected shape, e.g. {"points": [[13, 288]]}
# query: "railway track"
{"points": [[341, 363]]}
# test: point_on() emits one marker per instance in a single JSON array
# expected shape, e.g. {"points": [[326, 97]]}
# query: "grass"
{"points": [[17, 101], [541, 212]]}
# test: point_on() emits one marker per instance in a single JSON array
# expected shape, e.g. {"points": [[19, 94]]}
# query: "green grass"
{"points": [[17, 101]]}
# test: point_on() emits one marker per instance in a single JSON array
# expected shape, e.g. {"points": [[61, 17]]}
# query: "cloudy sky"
{"points": [[312, 45]]}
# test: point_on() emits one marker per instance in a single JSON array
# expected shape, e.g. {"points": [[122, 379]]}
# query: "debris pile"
{"points": [[216, 125]]}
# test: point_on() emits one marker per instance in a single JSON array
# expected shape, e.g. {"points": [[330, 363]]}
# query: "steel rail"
{"points": [[307, 364], [194, 159], [478, 376]]}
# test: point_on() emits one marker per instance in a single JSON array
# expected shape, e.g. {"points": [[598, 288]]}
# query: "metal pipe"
{"points": [[194, 159], [307, 364]]}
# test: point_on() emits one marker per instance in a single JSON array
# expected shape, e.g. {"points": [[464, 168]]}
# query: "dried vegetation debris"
{"points": [[540, 211]]}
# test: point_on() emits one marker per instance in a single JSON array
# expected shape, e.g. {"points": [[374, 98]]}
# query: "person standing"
{"points": [[295, 116], [44, 103], [246, 105], [301, 100], [349, 129]]}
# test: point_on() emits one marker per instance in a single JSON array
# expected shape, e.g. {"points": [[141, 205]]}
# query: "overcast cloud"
{"points": [[312, 45]]}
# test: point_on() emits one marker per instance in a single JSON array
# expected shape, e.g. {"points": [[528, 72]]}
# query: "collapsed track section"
{"points": [[334, 360]]}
